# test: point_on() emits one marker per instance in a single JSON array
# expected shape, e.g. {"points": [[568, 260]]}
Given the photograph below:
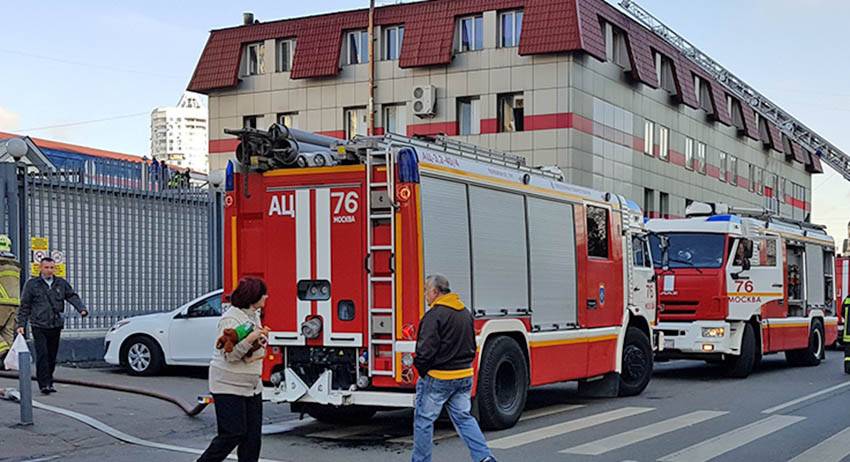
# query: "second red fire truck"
{"points": [[559, 277], [739, 284]]}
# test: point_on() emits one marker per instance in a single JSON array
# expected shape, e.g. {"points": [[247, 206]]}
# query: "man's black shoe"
{"points": [[51, 389], [46, 391]]}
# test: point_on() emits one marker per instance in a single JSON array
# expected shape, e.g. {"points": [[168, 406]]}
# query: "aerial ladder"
{"points": [[793, 128]]}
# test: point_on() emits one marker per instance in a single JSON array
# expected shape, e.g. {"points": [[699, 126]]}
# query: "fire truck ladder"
{"points": [[792, 127], [380, 205]]}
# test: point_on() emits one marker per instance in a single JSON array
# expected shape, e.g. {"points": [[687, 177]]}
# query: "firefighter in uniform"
{"points": [[10, 288], [845, 338]]}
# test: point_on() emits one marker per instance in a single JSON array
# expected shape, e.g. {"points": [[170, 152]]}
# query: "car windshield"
{"points": [[690, 250]]}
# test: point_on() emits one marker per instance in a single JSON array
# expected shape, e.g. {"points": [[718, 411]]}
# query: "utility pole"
{"points": [[371, 106]]}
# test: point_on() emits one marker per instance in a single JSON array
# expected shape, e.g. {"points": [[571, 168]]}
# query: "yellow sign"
{"points": [[35, 270], [40, 243]]}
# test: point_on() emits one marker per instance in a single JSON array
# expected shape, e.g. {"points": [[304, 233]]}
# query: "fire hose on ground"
{"points": [[203, 401]]}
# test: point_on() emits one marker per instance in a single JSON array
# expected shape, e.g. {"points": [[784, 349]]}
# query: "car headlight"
{"points": [[118, 325], [713, 331]]}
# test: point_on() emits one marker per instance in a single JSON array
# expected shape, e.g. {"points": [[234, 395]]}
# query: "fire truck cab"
{"points": [[738, 284], [559, 277]]}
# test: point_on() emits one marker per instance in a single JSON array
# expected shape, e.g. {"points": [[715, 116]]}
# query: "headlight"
{"points": [[713, 331], [119, 325]]}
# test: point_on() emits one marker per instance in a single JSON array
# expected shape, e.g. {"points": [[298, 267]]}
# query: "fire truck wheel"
{"points": [[345, 415], [502, 384], [740, 366], [810, 356], [637, 363]]}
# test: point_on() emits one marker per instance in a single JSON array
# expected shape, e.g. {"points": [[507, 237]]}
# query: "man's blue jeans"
{"points": [[431, 395]]}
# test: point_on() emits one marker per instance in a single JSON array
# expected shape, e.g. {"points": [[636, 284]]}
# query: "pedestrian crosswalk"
{"points": [[643, 426]]}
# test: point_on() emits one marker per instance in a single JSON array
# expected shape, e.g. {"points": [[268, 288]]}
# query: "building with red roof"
{"points": [[572, 83]]}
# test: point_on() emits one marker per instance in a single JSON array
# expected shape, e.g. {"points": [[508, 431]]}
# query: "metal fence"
{"points": [[129, 249]]}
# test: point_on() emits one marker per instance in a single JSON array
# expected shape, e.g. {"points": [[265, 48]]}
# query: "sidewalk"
{"points": [[140, 416]]}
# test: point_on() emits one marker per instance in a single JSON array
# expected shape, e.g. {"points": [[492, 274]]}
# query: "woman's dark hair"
{"points": [[249, 291]]}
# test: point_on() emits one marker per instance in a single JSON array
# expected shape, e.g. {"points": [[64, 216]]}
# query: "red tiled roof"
{"points": [[800, 154], [59, 146], [750, 121], [776, 137]]}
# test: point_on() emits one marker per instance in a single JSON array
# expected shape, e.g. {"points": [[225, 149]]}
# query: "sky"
{"points": [[91, 72]]}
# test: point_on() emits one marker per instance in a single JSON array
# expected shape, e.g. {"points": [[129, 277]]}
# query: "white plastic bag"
{"points": [[20, 345]]}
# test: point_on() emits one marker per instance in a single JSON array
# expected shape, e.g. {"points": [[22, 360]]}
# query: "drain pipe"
{"points": [[203, 401]]}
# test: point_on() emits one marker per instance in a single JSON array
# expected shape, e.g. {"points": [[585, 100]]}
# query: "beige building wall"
{"points": [[599, 92]]}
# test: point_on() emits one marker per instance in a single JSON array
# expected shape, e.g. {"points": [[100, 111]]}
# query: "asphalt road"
{"points": [[690, 412]]}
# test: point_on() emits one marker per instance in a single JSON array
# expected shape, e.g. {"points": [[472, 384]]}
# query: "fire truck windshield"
{"points": [[690, 250]]}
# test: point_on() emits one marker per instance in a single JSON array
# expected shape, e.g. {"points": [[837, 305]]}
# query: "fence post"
{"points": [[25, 384]]}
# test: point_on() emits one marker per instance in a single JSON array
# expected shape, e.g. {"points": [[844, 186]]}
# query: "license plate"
{"points": [[668, 343]]}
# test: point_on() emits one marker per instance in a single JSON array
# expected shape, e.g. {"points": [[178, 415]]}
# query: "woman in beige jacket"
{"points": [[235, 378]]}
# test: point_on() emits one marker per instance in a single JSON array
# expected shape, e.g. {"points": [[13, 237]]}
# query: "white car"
{"points": [[183, 337]]}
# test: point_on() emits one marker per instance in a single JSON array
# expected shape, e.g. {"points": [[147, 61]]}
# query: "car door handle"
{"points": [[776, 285], [591, 304]]}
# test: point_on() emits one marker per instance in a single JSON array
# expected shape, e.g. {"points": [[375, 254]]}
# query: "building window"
{"points": [[753, 171], [760, 181], [285, 53], [253, 63], [250, 121], [597, 232], [689, 154], [648, 137], [788, 148], [703, 94], [649, 203], [393, 38], [665, 73], [470, 33], [663, 143], [395, 118], [510, 28], [358, 47], [701, 158], [289, 119], [664, 204], [616, 48], [722, 166], [510, 112], [764, 132], [468, 116], [733, 170], [733, 106], [355, 122]]}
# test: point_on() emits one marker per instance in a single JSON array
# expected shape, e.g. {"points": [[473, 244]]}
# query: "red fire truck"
{"points": [[738, 284], [559, 277]]}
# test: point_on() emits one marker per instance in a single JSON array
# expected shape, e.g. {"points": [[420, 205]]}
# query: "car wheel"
{"points": [[502, 384], [142, 356]]}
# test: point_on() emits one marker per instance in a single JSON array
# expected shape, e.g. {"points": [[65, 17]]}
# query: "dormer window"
{"points": [[285, 53], [665, 73], [393, 38], [357, 44], [253, 61], [703, 94], [470, 33], [736, 112], [616, 47], [510, 28]]}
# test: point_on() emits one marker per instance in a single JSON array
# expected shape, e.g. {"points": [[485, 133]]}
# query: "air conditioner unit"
{"points": [[424, 100]]}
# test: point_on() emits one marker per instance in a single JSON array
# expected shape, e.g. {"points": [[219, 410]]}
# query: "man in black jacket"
{"points": [[445, 349], [42, 304]]}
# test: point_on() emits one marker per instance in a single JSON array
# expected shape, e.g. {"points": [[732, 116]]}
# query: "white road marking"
{"points": [[714, 447], [534, 414], [287, 426], [637, 435], [538, 434], [834, 449], [805, 398]]}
